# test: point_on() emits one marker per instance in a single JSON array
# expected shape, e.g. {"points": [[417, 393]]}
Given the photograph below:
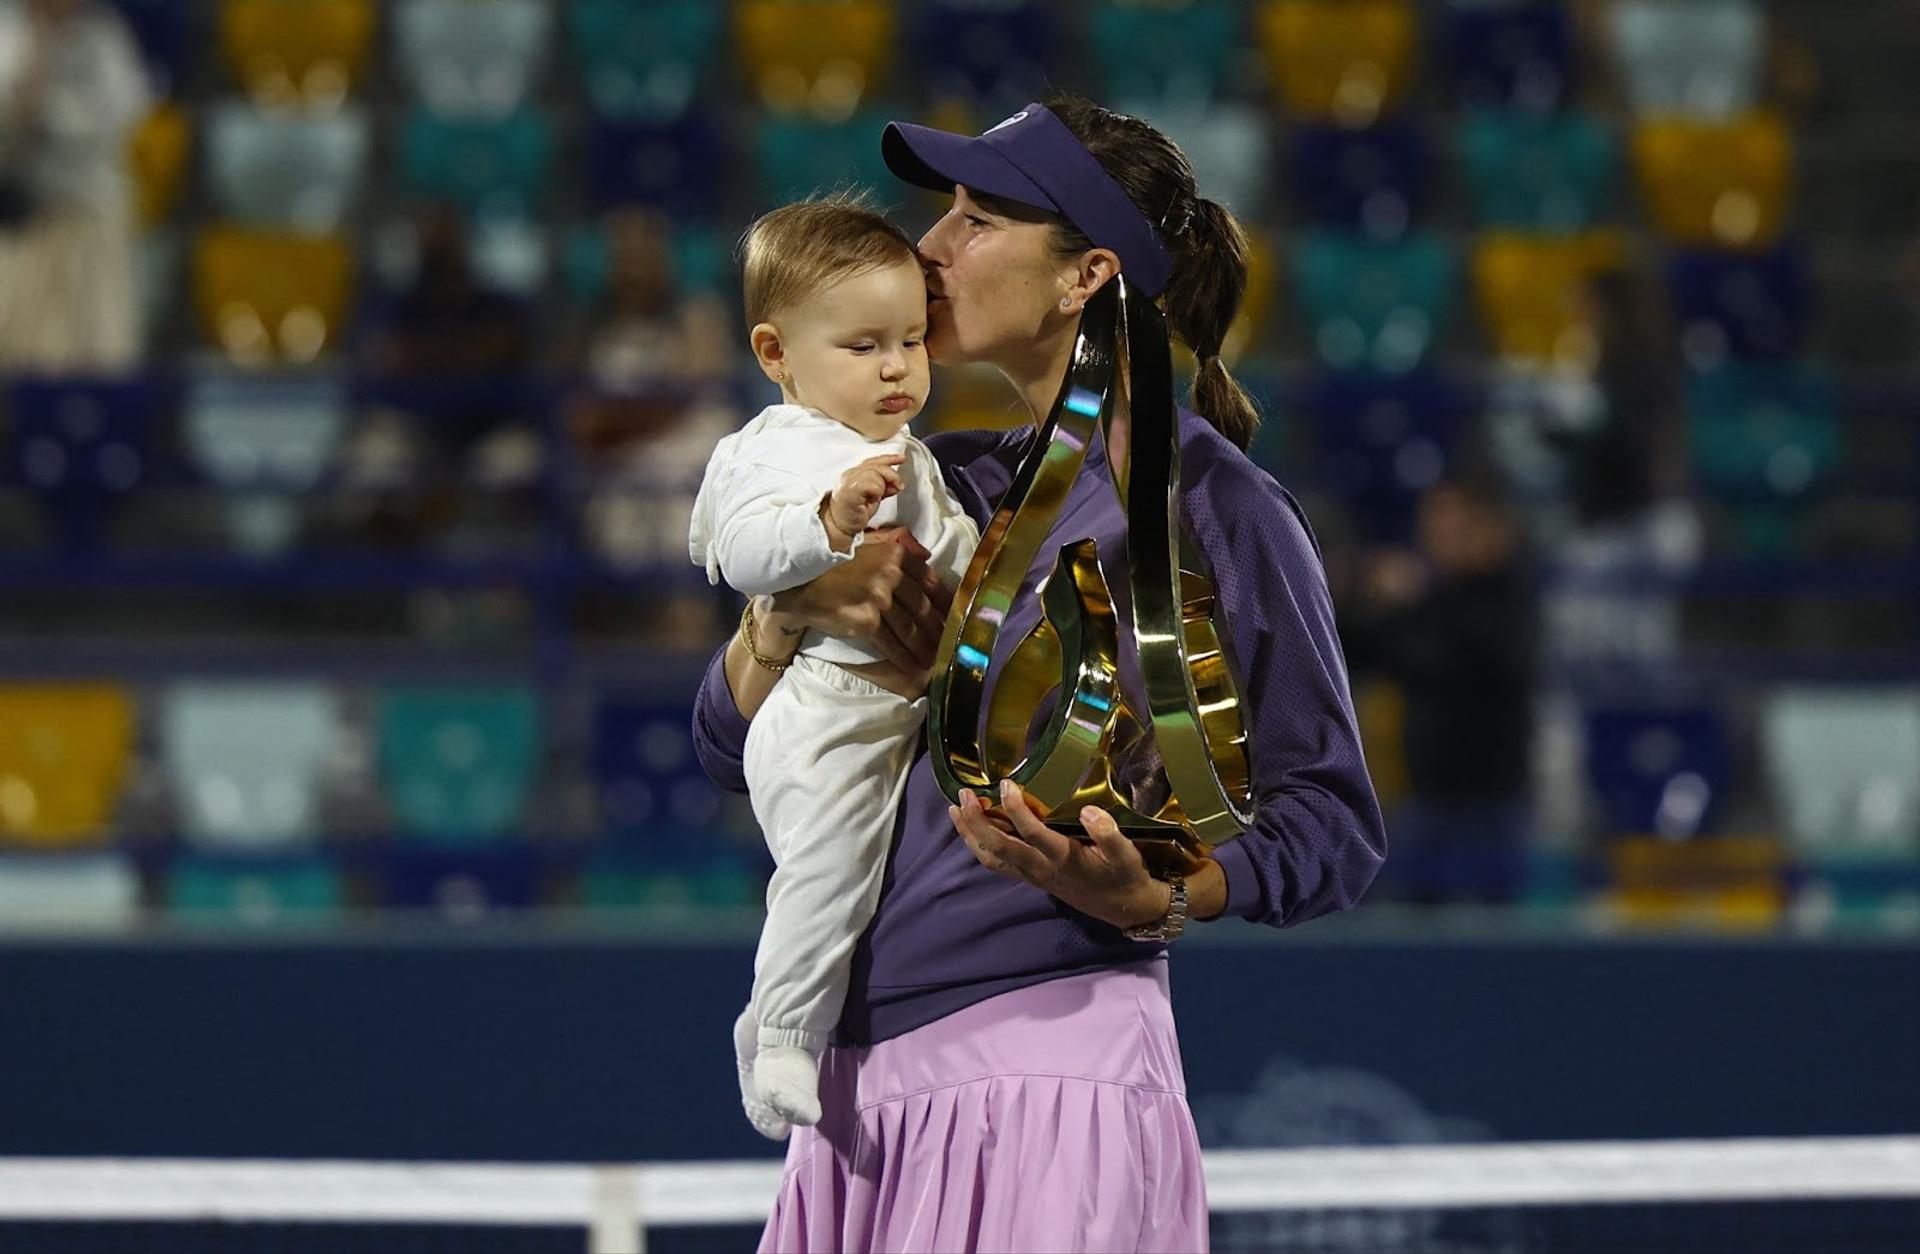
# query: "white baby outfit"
{"points": [[827, 754]]}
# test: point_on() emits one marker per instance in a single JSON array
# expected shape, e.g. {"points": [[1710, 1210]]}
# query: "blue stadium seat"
{"points": [[165, 31], [679, 166], [254, 891], [1383, 441], [1372, 180], [1511, 56], [645, 60], [1661, 772], [247, 761], [459, 764], [1763, 432], [80, 445], [994, 55], [1703, 57], [1750, 306], [462, 884], [1543, 174], [266, 439], [99, 891], [653, 795], [1844, 769], [1173, 54], [276, 168], [799, 157], [465, 59], [1374, 304], [485, 166]]}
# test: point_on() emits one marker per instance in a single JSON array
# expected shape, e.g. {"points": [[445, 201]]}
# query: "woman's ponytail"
{"points": [[1209, 279]]}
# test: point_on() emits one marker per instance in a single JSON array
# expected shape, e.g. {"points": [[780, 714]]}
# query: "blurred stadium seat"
{"points": [[1172, 56], [1716, 184], [93, 892], [1845, 770], [254, 891], [266, 441], [457, 765], [264, 295], [1532, 294], [65, 750], [466, 58], [81, 445], [1230, 146], [1659, 771], [1383, 441], [800, 157], [1516, 56], [991, 57], [1374, 304], [280, 170], [802, 58], [1553, 175], [1763, 431], [165, 31], [159, 153], [461, 884], [486, 166], [1345, 61], [679, 165], [645, 60], [1701, 58], [1372, 180], [1742, 305], [312, 51], [246, 761]]}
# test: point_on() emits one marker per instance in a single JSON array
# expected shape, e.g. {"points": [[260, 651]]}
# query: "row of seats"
{"points": [[248, 766], [1347, 60]]}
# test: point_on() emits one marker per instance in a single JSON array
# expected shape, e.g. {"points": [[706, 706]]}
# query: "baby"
{"points": [[838, 309]]}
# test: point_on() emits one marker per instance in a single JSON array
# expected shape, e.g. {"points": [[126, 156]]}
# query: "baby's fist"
{"points": [[850, 506]]}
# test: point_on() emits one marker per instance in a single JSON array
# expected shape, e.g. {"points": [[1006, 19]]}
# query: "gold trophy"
{"points": [[1174, 775]]}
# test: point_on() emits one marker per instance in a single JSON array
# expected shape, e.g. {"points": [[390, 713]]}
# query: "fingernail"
{"points": [[966, 796], [1006, 788], [1089, 814]]}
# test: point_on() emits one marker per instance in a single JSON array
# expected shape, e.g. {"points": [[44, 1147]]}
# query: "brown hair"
{"points": [[1206, 242], [794, 251]]}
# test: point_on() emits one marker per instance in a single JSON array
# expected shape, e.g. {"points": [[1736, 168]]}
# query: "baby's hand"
{"points": [[849, 508]]}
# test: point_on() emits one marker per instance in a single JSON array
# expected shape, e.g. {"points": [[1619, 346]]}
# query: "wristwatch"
{"points": [[1175, 921]]}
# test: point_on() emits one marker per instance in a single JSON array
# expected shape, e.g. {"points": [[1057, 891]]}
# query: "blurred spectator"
{"points": [[1453, 626], [653, 361], [72, 88], [449, 354]]}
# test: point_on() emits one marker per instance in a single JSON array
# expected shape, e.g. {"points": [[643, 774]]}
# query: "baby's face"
{"points": [[857, 350]]}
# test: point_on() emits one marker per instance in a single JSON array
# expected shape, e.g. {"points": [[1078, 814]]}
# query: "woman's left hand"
{"points": [[1104, 877]]}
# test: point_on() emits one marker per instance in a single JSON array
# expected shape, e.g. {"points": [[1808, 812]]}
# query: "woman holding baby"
{"points": [[1005, 1073]]}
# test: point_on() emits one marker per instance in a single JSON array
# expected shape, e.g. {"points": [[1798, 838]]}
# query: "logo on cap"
{"points": [[1000, 126]]}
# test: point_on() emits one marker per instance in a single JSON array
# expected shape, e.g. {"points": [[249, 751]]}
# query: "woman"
{"points": [[1006, 1074]]}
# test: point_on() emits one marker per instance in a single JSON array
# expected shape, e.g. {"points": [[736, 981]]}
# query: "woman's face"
{"points": [[993, 283]]}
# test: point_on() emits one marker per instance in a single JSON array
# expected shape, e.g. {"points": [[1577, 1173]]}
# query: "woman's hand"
{"points": [[884, 594], [1105, 878]]}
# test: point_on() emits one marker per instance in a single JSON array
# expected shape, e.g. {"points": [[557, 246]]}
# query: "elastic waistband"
{"points": [[840, 677]]}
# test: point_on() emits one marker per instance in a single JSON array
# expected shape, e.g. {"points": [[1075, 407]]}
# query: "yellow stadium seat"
{"points": [[1380, 705], [822, 57], [1716, 184], [1729, 884], [265, 296], [288, 50], [63, 757], [1532, 294], [1348, 61], [158, 156]]}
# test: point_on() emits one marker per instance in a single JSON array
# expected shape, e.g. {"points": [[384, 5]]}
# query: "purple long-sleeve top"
{"points": [[948, 932]]}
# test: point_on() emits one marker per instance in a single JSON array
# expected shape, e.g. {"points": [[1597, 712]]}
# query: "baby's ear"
{"points": [[769, 351]]}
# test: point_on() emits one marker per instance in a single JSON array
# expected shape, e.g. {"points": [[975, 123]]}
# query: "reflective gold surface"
{"points": [[1094, 747]]}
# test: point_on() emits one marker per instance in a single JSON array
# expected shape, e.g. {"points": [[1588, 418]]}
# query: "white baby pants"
{"points": [[826, 763]]}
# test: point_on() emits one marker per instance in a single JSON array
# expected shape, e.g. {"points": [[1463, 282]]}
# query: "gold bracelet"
{"points": [[746, 638]]}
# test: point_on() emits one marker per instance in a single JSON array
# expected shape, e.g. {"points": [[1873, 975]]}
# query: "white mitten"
{"points": [[788, 1080], [746, 1042]]}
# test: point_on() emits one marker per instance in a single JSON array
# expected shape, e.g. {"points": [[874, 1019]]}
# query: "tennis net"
{"points": [[1753, 1196]]}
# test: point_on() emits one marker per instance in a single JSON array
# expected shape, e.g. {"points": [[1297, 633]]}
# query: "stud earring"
{"points": [[1066, 302]]}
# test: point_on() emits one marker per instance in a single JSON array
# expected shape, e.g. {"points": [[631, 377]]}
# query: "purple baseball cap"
{"points": [[1033, 159]]}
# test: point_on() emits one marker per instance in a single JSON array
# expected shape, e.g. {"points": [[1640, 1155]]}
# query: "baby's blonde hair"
{"points": [[794, 251]]}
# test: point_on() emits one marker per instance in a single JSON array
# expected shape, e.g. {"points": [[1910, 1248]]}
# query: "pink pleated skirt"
{"points": [[1048, 1118]]}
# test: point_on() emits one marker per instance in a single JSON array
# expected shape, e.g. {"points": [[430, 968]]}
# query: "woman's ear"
{"points": [[769, 351], [1091, 273]]}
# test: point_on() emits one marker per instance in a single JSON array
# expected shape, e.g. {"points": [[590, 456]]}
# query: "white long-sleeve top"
{"points": [[756, 522]]}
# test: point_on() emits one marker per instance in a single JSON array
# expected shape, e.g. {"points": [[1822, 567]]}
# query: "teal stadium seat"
{"points": [[1174, 54], [799, 157], [1374, 304], [247, 761], [1844, 765], [702, 261], [254, 892], [471, 58], [458, 764], [1763, 432], [1550, 174], [489, 167], [645, 60], [281, 169], [81, 891], [266, 439], [1703, 57]]}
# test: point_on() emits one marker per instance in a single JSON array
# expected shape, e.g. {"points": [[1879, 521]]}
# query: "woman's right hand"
{"points": [[886, 595]]}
